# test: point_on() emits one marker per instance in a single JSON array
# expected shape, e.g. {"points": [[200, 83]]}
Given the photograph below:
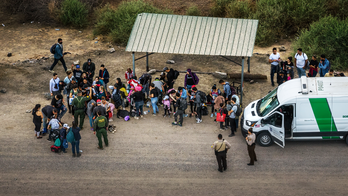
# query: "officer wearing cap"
{"points": [[89, 68], [220, 148]]}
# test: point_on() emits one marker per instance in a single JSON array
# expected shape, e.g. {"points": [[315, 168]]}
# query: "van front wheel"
{"points": [[264, 139], [347, 139]]}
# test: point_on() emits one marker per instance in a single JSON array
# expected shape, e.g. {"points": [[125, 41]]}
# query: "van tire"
{"points": [[264, 139], [347, 139]]}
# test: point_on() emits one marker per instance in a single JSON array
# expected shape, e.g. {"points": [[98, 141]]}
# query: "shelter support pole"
{"points": [[147, 61], [249, 64], [133, 55], [241, 83]]}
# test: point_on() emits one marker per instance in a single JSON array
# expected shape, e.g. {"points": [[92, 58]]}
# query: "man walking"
{"points": [[232, 115], [182, 105], [58, 55], [54, 85], [220, 147], [324, 65], [301, 60], [100, 127], [274, 59], [89, 68], [250, 139], [79, 107]]}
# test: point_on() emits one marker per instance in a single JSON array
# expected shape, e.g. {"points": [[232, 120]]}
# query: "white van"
{"points": [[303, 108]]}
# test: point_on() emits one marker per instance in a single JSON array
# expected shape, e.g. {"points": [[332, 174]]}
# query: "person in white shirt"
{"points": [[274, 59], [301, 60], [54, 85]]}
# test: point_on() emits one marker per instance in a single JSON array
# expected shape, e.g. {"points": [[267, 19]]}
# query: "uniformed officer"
{"points": [[79, 107], [220, 147], [250, 139], [101, 126]]}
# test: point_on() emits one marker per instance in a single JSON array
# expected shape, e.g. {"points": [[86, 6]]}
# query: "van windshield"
{"points": [[268, 103]]}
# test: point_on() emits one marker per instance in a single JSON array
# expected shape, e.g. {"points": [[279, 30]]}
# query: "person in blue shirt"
{"points": [[324, 65], [227, 93], [58, 55]]}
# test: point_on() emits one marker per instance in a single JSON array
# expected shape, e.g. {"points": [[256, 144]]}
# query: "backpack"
{"points": [[101, 123], [195, 78], [55, 135], [70, 136], [183, 104], [233, 90], [117, 99], [303, 55], [203, 97], [239, 110], [57, 142], [65, 143], [144, 79], [204, 111], [160, 95], [176, 74], [53, 48], [55, 149]]}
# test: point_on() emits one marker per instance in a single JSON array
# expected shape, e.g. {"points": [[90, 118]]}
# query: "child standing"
{"points": [[222, 110], [166, 105]]}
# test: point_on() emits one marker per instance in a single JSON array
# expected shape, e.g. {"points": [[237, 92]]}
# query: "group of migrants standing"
{"points": [[86, 92]]}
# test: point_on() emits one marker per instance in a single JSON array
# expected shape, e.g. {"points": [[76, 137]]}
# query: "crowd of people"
{"points": [[285, 69]]}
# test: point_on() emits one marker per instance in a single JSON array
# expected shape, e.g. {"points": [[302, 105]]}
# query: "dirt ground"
{"points": [[148, 156]]}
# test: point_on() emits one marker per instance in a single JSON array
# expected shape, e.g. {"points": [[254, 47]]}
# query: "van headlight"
{"points": [[250, 123]]}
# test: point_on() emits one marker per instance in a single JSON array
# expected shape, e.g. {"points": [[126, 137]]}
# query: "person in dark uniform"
{"points": [[250, 139], [220, 147]]}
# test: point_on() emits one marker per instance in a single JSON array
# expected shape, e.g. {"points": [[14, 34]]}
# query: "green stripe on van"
{"points": [[323, 116]]}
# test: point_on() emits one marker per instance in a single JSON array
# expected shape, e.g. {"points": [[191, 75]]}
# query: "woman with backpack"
{"points": [[190, 79], [37, 120]]}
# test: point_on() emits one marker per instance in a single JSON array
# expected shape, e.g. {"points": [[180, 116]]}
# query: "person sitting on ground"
{"points": [[75, 145], [57, 102], [77, 72], [282, 78], [101, 93], [330, 74], [182, 105], [89, 68], [101, 126], [37, 120], [166, 106], [289, 65], [53, 126]]}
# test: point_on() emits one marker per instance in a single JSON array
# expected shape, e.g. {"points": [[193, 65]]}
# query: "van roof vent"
{"points": [[304, 85]]}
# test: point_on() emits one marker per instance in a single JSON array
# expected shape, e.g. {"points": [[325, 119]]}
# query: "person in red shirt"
{"points": [[129, 74]]}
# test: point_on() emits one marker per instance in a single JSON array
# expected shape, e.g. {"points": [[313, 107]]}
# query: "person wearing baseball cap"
{"points": [[89, 68], [77, 72], [100, 108]]}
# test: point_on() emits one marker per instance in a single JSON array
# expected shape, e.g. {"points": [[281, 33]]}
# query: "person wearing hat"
{"points": [[100, 127], [220, 148], [58, 55], [89, 68], [79, 107], [77, 72], [62, 136], [169, 77]]}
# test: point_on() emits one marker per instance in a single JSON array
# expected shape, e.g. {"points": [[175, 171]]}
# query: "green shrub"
{"points": [[337, 8], [238, 9], [118, 23], [219, 8], [327, 36], [193, 11], [74, 12]]}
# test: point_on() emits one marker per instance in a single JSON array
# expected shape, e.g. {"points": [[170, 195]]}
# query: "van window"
{"points": [[275, 120], [268, 103]]}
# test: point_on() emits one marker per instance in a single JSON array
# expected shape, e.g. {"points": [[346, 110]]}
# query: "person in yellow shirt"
{"points": [[330, 74]]}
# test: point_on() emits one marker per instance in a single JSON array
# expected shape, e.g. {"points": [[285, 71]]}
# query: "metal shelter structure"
{"points": [[193, 35]]}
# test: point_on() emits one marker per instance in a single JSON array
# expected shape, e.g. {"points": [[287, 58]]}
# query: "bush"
{"points": [[74, 12], [193, 11], [118, 23], [238, 9], [219, 8], [327, 36]]}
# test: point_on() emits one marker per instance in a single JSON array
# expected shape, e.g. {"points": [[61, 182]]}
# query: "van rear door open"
{"points": [[276, 128]]}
